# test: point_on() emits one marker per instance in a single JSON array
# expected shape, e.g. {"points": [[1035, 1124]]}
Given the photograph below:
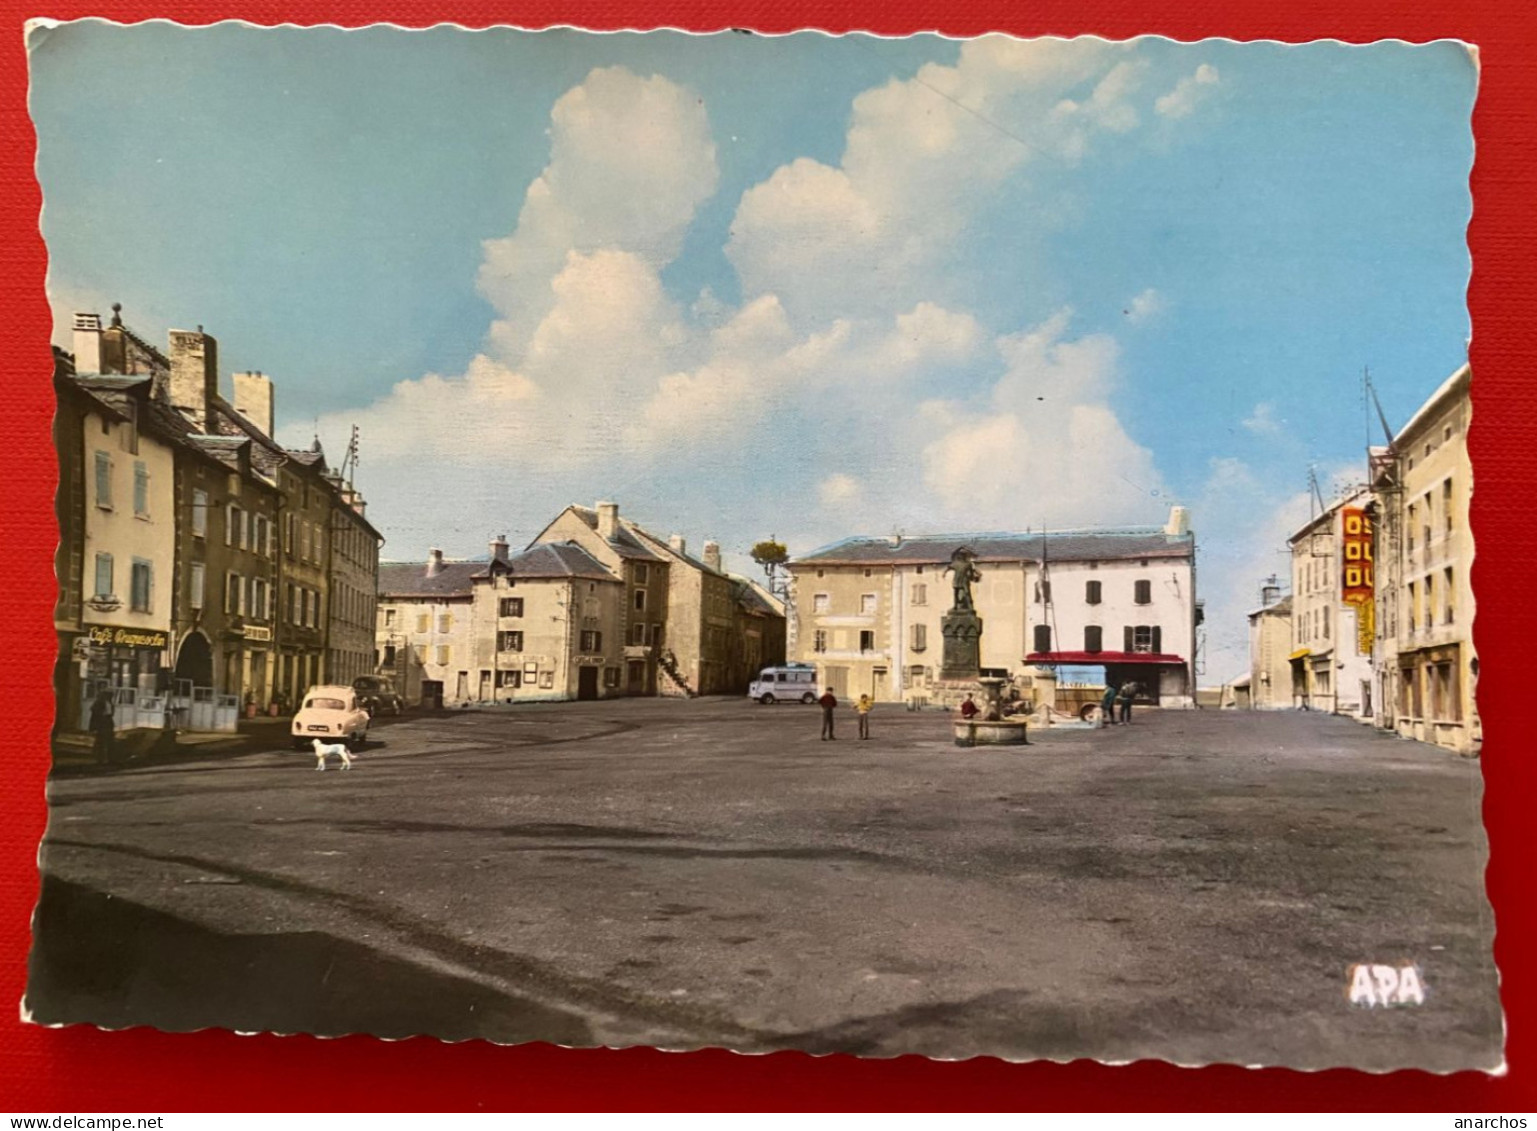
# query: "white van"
{"points": [[790, 683]]}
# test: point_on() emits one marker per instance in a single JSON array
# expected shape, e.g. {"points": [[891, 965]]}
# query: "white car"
{"points": [[333, 714]]}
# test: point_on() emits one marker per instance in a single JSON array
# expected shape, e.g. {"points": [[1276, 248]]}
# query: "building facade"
{"points": [[646, 576], [870, 610], [425, 628], [1427, 669], [352, 582], [1332, 627], [1270, 646]]}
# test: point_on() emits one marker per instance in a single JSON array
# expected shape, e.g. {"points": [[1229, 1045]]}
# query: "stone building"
{"points": [[645, 574], [352, 583], [548, 625], [1270, 645], [869, 610], [236, 637], [425, 628], [1331, 656], [116, 557], [1427, 669]]}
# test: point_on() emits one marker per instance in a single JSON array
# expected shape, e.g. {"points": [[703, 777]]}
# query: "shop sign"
{"points": [[258, 632], [108, 636], [1358, 580]]}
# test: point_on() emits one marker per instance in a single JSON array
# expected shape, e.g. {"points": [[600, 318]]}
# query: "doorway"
{"points": [[587, 683]]}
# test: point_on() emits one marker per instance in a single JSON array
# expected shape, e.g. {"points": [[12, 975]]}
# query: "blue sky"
{"points": [[804, 285]]}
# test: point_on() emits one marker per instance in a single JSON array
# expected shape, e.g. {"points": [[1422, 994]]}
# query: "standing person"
{"points": [[969, 709], [1107, 705], [102, 725], [1128, 691], [863, 707], [829, 703]]}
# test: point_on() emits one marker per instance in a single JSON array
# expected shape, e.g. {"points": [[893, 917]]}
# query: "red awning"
{"points": [[1102, 658]]}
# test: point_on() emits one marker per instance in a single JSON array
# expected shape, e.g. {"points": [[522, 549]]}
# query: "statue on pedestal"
{"points": [[961, 627]]}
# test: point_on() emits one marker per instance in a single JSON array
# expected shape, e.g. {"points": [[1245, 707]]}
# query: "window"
{"points": [[508, 679], [1043, 638], [1144, 638], [920, 637], [444, 653], [1446, 504], [104, 480], [195, 585], [1043, 592], [821, 602], [920, 594], [389, 656], [1144, 592], [231, 592], [511, 607], [1414, 607], [445, 622], [640, 600], [1328, 615], [1093, 638], [1430, 601], [140, 488], [610, 677], [389, 617], [103, 575], [819, 640], [199, 514], [1091, 593], [867, 604], [866, 641], [259, 534], [1447, 589], [315, 610], [141, 581], [1409, 527], [867, 573], [642, 573], [592, 640], [512, 642], [423, 623]]}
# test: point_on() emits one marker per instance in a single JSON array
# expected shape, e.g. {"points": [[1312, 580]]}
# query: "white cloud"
{"points": [[631, 159], [1188, 93], [1147, 305], [839, 489], [923, 157], [1262, 421]]}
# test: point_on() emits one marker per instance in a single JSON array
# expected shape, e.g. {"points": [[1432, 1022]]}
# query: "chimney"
{"points": [[677, 545], [1270, 592], [434, 562], [499, 548], [87, 343], [712, 555], [1179, 522], [194, 374], [253, 400], [608, 521]]}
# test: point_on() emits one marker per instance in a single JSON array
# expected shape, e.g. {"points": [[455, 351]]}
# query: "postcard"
{"points": [[831, 543]]}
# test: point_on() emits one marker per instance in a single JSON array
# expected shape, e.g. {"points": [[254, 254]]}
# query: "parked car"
{"points": [[334, 714], [378, 695], [790, 682]]}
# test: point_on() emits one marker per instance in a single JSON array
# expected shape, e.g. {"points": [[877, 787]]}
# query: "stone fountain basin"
{"points": [[985, 732]]}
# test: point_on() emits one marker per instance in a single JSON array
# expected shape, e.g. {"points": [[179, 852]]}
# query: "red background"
{"points": [[83, 1070]]}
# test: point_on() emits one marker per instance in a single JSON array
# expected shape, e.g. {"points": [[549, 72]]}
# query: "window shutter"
{"points": [[1131, 639], [1093, 638], [1043, 638], [1157, 638]]}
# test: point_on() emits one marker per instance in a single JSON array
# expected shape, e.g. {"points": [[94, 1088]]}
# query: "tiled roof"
{"points": [[409, 579], [558, 559], [1281, 608], [1071, 545], [754, 600], [625, 544]]}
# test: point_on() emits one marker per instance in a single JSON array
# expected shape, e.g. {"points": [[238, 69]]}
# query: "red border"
{"points": [[84, 1070]]}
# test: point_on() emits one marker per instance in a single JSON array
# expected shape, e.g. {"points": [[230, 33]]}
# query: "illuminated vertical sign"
{"points": [[1358, 580]]}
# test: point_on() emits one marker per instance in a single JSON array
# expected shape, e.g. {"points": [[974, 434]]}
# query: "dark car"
{"points": [[378, 695]]}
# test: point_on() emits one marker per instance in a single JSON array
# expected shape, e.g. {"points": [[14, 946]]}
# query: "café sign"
{"points": [[258, 633], [110, 636]]}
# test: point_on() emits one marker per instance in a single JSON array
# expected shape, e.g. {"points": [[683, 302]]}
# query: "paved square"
{"points": [[1192, 888]]}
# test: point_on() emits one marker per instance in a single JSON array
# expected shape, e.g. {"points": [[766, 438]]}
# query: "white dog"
{"points": [[337, 748]]}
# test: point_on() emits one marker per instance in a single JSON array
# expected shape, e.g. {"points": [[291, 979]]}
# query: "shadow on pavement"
{"points": [[100, 960]]}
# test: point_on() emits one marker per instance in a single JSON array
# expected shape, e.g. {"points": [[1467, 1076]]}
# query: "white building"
{"points": [[870, 610]]}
